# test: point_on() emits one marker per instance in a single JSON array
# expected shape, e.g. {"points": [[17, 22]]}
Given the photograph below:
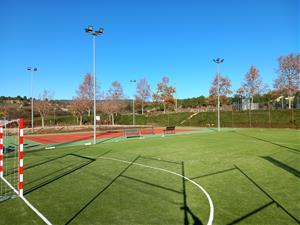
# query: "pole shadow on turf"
{"points": [[102, 191], [186, 210]]}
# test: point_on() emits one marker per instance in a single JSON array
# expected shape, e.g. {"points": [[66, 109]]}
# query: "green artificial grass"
{"points": [[252, 176]]}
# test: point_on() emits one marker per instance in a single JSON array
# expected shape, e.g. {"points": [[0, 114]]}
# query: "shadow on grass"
{"points": [[101, 191], [152, 184], [268, 195], [61, 156], [270, 142], [214, 173], [15, 170], [185, 208], [59, 176], [251, 213], [282, 166]]}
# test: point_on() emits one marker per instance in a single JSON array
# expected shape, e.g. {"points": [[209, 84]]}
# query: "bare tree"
{"points": [[86, 91], [164, 93], [79, 107], [43, 105], [252, 84], [143, 92], [288, 79], [114, 101]]}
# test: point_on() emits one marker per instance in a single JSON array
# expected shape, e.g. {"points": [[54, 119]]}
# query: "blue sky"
{"points": [[143, 39]]}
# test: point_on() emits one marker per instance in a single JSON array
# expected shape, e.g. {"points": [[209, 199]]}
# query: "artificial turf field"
{"points": [[251, 175]]}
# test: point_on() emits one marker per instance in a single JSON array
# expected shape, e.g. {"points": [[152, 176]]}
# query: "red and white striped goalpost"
{"points": [[21, 155], [20, 167], [1, 151]]}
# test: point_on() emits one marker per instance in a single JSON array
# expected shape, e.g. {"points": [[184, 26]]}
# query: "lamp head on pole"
{"points": [[100, 31], [89, 29], [31, 69], [218, 60]]}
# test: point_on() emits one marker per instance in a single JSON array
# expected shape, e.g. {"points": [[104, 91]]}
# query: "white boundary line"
{"points": [[28, 203], [211, 212]]}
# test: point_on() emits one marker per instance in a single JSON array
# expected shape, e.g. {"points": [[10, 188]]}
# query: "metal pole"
{"points": [[94, 62], [133, 112], [218, 96], [175, 98], [32, 101]]}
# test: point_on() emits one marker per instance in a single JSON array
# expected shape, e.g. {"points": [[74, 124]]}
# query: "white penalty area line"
{"points": [[211, 206], [28, 203]]}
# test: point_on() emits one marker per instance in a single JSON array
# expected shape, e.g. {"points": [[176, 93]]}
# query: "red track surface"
{"points": [[60, 138]]}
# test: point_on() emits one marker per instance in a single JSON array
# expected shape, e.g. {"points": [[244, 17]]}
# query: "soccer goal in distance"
{"points": [[11, 158]]}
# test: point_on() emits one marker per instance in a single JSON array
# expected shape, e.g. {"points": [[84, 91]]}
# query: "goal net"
{"points": [[11, 159]]}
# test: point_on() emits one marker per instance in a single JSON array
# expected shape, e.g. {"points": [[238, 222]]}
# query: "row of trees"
{"points": [[114, 100], [285, 85]]}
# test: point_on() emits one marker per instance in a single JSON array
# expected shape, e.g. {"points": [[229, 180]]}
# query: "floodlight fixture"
{"points": [[89, 29], [98, 32]]}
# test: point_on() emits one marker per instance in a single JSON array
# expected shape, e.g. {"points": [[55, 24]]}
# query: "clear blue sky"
{"points": [[143, 38]]}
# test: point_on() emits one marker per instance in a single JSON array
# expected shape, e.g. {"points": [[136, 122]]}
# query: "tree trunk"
{"points": [[142, 107], [112, 119], [164, 107], [43, 124], [80, 120], [290, 102]]}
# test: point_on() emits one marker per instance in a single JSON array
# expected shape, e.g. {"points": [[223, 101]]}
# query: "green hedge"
{"points": [[259, 118], [255, 118]]}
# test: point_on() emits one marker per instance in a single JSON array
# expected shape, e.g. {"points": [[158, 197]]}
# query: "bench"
{"points": [[169, 130]]}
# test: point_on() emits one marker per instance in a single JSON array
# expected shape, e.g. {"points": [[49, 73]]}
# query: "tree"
{"points": [[43, 104], [114, 101], [224, 88], [192, 102], [3, 112], [288, 79], [79, 107], [86, 91], [252, 84], [164, 93], [143, 92]]}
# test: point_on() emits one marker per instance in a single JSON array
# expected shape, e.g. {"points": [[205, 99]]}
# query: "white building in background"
{"points": [[246, 104]]}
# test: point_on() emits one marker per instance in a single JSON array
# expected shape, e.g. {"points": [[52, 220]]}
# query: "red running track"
{"points": [[61, 138]]}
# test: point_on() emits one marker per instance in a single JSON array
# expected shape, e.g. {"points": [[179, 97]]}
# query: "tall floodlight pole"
{"points": [[176, 99], [90, 30], [218, 61], [32, 70], [133, 111]]}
